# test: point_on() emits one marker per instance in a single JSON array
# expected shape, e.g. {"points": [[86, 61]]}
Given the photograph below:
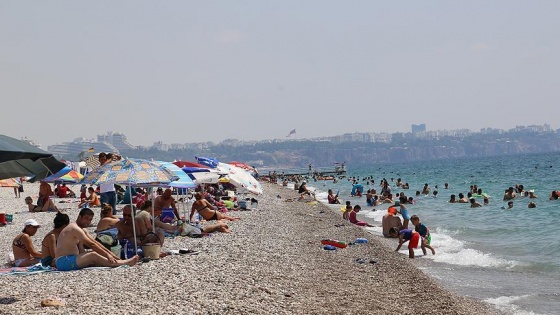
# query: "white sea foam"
{"points": [[506, 304], [452, 251]]}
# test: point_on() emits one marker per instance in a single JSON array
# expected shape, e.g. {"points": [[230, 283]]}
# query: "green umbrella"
{"points": [[19, 158]]}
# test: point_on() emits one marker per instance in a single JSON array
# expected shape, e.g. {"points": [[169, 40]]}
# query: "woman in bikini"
{"points": [[207, 211], [48, 206], [61, 220], [24, 253]]}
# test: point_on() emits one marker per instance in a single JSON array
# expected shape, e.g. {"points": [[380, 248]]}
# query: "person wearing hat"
{"points": [[22, 245]]}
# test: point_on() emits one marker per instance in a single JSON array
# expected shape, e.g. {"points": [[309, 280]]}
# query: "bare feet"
{"points": [[132, 261], [433, 251]]}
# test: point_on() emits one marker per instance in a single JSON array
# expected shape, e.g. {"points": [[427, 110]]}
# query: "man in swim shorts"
{"points": [[70, 252]]}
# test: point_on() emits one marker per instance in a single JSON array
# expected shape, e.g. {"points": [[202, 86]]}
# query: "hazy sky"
{"points": [[194, 71]]}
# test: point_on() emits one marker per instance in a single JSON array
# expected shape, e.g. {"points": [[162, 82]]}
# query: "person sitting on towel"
{"points": [[70, 253], [24, 252], [46, 206], [48, 246]]}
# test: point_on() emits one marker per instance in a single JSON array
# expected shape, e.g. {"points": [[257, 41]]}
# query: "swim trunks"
{"points": [[67, 263], [413, 243]]}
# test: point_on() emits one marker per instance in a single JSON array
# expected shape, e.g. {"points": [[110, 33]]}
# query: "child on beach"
{"points": [[353, 218], [424, 234], [406, 235]]}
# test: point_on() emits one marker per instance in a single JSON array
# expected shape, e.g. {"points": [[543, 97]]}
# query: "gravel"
{"points": [[271, 263]]}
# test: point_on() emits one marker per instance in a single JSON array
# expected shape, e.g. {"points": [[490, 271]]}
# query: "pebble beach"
{"points": [[271, 263]]}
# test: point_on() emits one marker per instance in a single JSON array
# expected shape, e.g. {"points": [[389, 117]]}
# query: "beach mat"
{"points": [[38, 268]]}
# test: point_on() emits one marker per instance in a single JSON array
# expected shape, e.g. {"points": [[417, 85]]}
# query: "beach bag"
{"points": [[151, 250], [190, 230], [106, 240]]}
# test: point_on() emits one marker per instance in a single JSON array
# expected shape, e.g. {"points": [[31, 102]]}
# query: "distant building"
{"points": [[72, 150], [118, 140], [418, 128]]}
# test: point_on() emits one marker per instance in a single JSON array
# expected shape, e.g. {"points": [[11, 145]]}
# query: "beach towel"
{"points": [[26, 271], [38, 268]]}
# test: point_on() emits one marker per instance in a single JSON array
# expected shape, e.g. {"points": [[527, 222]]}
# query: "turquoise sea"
{"points": [[506, 257]]}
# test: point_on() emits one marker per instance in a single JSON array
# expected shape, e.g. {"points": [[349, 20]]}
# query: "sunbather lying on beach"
{"points": [[207, 211], [47, 206]]}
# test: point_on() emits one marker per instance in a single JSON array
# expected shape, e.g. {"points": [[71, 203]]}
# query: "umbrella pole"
{"points": [[153, 213], [133, 219]]}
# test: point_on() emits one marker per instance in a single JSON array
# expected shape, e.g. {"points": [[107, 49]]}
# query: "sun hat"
{"points": [[31, 222]]}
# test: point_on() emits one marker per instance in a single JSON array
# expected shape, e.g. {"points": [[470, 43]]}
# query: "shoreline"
{"points": [[272, 262]]}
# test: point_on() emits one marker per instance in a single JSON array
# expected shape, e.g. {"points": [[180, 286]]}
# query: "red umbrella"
{"points": [[182, 164], [242, 165]]}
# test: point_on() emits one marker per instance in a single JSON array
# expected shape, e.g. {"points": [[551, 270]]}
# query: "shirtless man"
{"points": [[70, 253], [389, 220], [165, 200]]}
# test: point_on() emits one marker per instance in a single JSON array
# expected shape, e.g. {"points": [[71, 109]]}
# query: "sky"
{"points": [[197, 71]]}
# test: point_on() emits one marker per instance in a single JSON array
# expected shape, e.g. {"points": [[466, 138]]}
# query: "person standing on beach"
{"points": [[107, 193], [70, 254], [424, 234]]}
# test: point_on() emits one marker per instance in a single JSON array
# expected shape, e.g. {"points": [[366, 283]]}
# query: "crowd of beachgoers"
{"points": [[268, 259]]}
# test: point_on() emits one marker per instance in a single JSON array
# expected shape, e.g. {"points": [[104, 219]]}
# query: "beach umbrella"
{"points": [[240, 178], [127, 171], [20, 159], [183, 181], [203, 175], [66, 175], [10, 182], [242, 165], [92, 161], [210, 162], [71, 177], [182, 164]]}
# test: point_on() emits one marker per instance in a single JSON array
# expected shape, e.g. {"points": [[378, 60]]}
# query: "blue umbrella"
{"points": [[210, 162]]}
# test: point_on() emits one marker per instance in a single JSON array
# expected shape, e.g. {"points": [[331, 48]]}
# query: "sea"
{"points": [[506, 257]]}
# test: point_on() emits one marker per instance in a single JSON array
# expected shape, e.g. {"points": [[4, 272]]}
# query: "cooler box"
{"points": [[167, 215]]}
